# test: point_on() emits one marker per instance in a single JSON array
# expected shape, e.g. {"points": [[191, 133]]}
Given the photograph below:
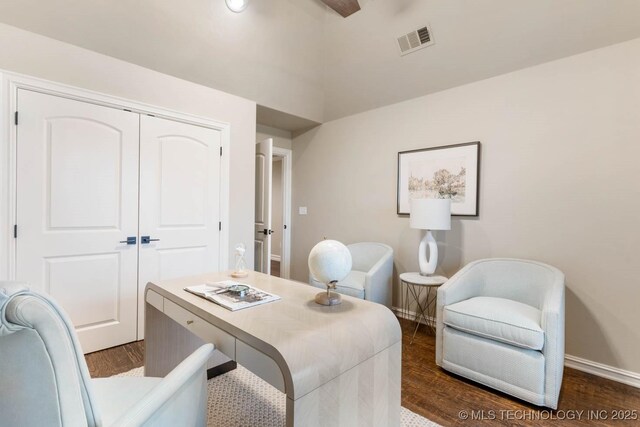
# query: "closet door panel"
{"points": [[77, 199], [179, 201]]}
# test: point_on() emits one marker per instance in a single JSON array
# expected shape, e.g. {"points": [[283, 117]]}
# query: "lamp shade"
{"points": [[329, 261], [430, 214]]}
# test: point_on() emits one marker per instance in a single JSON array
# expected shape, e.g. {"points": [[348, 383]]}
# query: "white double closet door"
{"points": [[108, 200]]}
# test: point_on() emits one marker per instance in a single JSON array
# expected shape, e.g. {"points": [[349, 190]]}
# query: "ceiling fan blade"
{"points": [[343, 7]]}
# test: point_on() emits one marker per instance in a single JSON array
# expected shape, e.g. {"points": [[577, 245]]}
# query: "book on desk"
{"points": [[232, 295]]}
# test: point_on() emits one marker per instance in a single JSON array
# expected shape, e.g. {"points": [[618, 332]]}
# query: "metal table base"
{"points": [[424, 291]]}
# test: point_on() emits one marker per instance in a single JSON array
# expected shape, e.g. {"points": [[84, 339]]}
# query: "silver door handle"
{"points": [[131, 240], [147, 239]]}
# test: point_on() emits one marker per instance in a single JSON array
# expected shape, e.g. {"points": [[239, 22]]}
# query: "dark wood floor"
{"points": [[115, 360], [442, 397], [275, 268]]}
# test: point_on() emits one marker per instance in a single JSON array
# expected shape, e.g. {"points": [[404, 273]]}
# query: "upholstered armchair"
{"points": [[500, 322], [45, 381], [371, 273]]}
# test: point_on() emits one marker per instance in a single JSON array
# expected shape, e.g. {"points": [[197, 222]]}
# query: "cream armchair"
{"points": [[371, 273], [500, 322], [45, 381]]}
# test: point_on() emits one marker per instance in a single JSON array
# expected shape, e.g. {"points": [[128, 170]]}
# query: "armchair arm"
{"points": [[377, 284], [179, 399], [552, 322]]}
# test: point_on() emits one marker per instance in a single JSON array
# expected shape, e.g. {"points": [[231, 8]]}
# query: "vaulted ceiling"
{"points": [[474, 40], [302, 58]]}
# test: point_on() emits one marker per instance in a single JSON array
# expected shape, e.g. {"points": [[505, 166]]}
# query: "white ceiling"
{"points": [[474, 40], [270, 53], [301, 58]]}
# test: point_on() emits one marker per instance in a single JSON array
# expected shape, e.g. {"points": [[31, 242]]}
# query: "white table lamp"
{"points": [[429, 214]]}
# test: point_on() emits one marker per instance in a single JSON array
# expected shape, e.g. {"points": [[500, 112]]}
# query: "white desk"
{"points": [[338, 365]]}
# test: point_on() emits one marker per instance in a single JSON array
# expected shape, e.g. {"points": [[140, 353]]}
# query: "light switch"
{"points": [[302, 210]]}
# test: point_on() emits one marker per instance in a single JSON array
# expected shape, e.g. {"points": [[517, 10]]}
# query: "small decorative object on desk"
{"points": [[329, 262], [232, 295], [241, 266]]}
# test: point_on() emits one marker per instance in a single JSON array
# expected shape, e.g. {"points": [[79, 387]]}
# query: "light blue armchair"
{"points": [[500, 322], [44, 380]]}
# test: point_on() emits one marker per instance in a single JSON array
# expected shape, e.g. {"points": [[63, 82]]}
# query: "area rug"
{"points": [[241, 399]]}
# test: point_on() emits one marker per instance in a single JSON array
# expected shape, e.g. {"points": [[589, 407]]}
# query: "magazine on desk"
{"points": [[232, 295]]}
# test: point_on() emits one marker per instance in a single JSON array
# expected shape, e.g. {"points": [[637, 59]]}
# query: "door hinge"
{"points": [[15, 231], [220, 226], [220, 151], [15, 120]]}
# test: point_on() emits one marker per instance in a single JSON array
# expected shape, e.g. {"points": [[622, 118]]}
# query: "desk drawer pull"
{"points": [[223, 341]]}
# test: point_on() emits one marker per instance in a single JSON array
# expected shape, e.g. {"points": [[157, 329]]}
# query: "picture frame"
{"points": [[448, 171]]}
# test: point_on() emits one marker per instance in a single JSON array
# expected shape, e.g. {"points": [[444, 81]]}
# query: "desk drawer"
{"points": [[207, 332]]}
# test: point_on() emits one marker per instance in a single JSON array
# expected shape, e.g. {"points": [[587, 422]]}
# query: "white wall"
{"points": [[38, 56], [560, 183]]}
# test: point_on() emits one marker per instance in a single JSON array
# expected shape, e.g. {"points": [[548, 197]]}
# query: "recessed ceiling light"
{"points": [[237, 5]]}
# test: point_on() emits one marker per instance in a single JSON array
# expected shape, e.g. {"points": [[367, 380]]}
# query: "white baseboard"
{"points": [[602, 370], [584, 365], [275, 257]]}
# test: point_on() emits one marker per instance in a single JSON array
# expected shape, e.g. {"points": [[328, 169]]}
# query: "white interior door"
{"points": [[77, 202], [262, 243], [179, 201]]}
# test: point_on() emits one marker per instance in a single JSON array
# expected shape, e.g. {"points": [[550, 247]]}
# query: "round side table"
{"points": [[416, 286]]}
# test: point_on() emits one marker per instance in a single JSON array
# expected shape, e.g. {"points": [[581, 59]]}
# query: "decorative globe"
{"points": [[329, 260]]}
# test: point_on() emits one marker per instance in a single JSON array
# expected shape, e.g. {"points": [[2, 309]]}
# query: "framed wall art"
{"points": [[450, 171]]}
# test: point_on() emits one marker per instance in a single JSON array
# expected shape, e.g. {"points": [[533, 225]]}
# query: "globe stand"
{"points": [[329, 298]]}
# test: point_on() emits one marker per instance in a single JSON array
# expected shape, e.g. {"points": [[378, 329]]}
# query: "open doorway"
{"points": [[273, 209], [274, 140]]}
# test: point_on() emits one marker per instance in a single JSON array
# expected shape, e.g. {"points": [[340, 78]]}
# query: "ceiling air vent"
{"points": [[415, 40]]}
